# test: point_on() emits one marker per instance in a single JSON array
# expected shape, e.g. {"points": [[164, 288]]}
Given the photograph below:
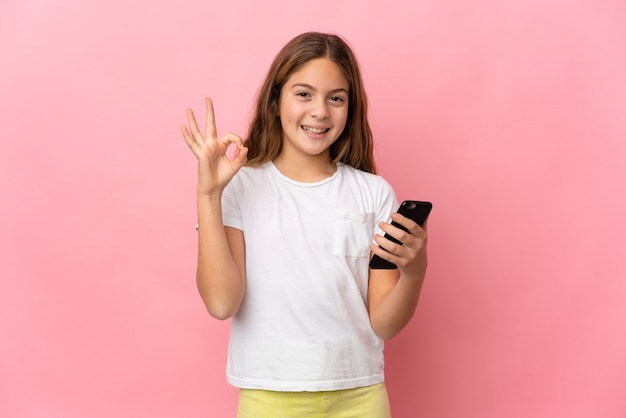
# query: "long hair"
{"points": [[265, 136]]}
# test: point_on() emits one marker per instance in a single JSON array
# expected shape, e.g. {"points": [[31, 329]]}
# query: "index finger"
{"points": [[404, 222], [211, 129]]}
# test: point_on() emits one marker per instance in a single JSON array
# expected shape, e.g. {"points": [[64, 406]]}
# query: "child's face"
{"points": [[313, 108]]}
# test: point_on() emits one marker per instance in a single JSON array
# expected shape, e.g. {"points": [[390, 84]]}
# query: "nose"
{"points": [[319, 109]]}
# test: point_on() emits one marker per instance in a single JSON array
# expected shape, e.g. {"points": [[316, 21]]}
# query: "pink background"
{"points": [[509, 116]]}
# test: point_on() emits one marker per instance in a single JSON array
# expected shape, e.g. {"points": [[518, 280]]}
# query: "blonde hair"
{"points": [[355, 144]]}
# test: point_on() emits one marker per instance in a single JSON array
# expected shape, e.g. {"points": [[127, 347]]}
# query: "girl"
{"points": [[286, 229]]}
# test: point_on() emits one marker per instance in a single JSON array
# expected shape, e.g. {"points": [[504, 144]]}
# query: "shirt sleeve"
{"points": [[231, 212], [387, 204]]}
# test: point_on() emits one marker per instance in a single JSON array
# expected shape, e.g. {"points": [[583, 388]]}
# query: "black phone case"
{"points": [[416, 211]]}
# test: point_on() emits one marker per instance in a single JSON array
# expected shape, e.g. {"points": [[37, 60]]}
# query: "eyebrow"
{"points": [[310, 87]]}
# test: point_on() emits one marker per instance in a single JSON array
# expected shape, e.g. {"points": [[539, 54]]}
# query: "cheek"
{"points": [[341, 118], [286, 111], [283, 115]]}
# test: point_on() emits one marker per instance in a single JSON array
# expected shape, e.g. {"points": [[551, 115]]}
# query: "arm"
{"points": [[220, 275], [393, 294]]}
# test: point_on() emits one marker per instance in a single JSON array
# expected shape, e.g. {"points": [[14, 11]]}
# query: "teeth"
{"points": [[314, 130]]}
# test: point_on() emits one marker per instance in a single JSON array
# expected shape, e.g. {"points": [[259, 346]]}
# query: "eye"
{"points": [[336, 99], [303, 94]]}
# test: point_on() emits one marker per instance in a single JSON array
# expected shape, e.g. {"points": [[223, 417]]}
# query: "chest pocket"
{"points": [[353, 233]]}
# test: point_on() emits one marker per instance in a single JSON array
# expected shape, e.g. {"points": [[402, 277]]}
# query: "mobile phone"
{"points": [[416, 211]]}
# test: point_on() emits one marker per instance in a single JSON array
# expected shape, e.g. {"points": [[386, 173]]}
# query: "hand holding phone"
{"points": [[416, 211]]}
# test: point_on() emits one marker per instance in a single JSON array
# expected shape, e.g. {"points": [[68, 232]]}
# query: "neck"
{"points": [[308, 169]]}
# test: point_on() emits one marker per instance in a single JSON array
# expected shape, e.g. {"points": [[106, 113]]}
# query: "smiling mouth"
{"points": [[315, 130]]}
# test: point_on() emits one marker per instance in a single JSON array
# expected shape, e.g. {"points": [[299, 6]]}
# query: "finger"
{"points": [[398, 254], [383, 253], [193, 126], [211, 128], [403, 220], [394, 232], [191, 143], [386, 243], [413, 227], [231, 138]]}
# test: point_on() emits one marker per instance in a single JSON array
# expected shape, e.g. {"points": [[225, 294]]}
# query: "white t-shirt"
{"points": [[303, 324]]}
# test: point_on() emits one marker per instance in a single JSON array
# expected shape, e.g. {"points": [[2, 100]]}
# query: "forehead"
{"points": [[320, 73]]}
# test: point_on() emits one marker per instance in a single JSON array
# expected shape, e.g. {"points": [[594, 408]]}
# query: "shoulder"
{"points": [[373, 181], [247, 183], [253, 170], [373, 190], [248, 175]]}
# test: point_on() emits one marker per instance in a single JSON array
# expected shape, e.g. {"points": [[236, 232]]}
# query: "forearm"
{"points": [[396, 308], [220, 280]]}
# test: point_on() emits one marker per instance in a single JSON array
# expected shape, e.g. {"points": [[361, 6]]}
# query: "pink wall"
{"points": [[509, 116]]}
